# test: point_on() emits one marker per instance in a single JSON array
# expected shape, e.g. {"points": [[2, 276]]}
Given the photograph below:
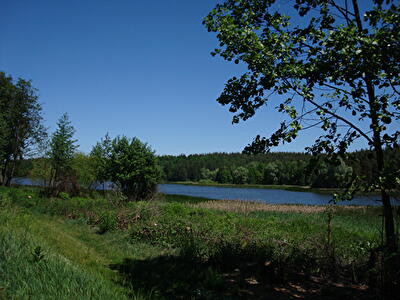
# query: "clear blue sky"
{"points": [[138, 68]]}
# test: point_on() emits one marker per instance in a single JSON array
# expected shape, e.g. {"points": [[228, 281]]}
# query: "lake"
{"points": [[272, 196]]}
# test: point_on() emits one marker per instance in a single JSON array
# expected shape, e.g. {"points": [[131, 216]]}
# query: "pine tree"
{"points": [[62, 150]]}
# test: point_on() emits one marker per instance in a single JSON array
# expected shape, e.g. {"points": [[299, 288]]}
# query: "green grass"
{"points": [[44, 263], [76, 263], [176, 247]]}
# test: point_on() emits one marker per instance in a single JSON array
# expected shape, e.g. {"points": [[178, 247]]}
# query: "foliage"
{"points": [[107, 222], [128, 163], [84, 168], [100, 156], [323, 63], [61, 152], [207, 174], [240, 175], [21, 126], [40, 170], [224, 175], [278, 168]]}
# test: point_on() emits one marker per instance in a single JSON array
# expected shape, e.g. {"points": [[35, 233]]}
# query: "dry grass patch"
{"points": [[246, 207]]}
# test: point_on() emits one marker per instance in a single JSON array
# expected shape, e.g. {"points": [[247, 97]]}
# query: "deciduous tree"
{"points": [[327, 63], [130, 164], [21, 125]]}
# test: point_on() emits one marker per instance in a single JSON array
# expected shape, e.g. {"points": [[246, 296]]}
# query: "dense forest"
{"points": [[291, 168]]}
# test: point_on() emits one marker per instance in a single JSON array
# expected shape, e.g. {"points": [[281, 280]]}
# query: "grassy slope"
{"points": [[76, 259]]}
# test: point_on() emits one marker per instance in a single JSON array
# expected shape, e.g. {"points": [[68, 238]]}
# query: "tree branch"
{"points": [[343, 91], [362, 133], [344, 11]]}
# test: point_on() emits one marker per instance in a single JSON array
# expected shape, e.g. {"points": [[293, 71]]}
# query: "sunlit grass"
{"points": [[76, 259]]}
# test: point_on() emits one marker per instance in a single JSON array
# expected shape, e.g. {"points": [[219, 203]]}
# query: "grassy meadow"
{"points": [[180, 247]]}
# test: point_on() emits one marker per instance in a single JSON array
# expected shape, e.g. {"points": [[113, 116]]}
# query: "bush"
{"points": [[130, 164]]}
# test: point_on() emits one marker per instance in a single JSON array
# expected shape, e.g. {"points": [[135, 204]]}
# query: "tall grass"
{"points": [[32, 271]]}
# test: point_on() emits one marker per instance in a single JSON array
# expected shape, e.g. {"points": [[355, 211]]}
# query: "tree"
{"points": [[61, 153], [20, 124], [130, 164], [224, 175], [336, 66], [271, 173], [84, 168], [207, 174], [100, 155], [240, 175]]}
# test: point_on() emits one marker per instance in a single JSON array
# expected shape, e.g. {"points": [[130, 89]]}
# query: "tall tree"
{"points": [[20, 123], [326, 63], [61, 151]]}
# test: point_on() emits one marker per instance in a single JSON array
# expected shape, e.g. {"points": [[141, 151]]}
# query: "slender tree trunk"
{"points": [[4, 172], [2, 176], [390, 234], [10, 174], [12, 170]]}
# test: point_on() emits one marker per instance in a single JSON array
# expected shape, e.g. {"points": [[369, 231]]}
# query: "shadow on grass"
{"points": [[228, 277]]}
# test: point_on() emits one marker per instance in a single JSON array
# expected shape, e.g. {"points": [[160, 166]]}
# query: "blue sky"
{"points": [[138, 68]]}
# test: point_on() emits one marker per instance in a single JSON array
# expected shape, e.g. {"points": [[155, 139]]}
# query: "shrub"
{"points": [[130, 164], [107, 222]]}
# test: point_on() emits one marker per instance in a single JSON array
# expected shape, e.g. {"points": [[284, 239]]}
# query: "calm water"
{"points": [[247, 194], [260, 195]]}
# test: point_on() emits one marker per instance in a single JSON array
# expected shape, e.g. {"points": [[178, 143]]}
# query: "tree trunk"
{"points": [[4, 172], [391, 242], [390, 233], [10, 174]]}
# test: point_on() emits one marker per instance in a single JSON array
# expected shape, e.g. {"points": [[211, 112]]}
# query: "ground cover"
{"points": [[184, 247]]}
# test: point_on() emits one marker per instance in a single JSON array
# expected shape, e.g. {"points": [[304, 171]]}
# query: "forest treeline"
{"points": [[276, 168], [289, 168]]}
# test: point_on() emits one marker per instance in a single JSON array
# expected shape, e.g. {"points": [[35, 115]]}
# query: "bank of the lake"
{"points": [[246, 193], [293, 188], [269, 196]]}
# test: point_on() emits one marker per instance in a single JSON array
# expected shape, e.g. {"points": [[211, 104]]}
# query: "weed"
{"points": [[107, 222], [64, 196], [38, 254]]}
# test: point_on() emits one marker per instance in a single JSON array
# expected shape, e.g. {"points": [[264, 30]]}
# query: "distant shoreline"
{"points": [[293, 188]]}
